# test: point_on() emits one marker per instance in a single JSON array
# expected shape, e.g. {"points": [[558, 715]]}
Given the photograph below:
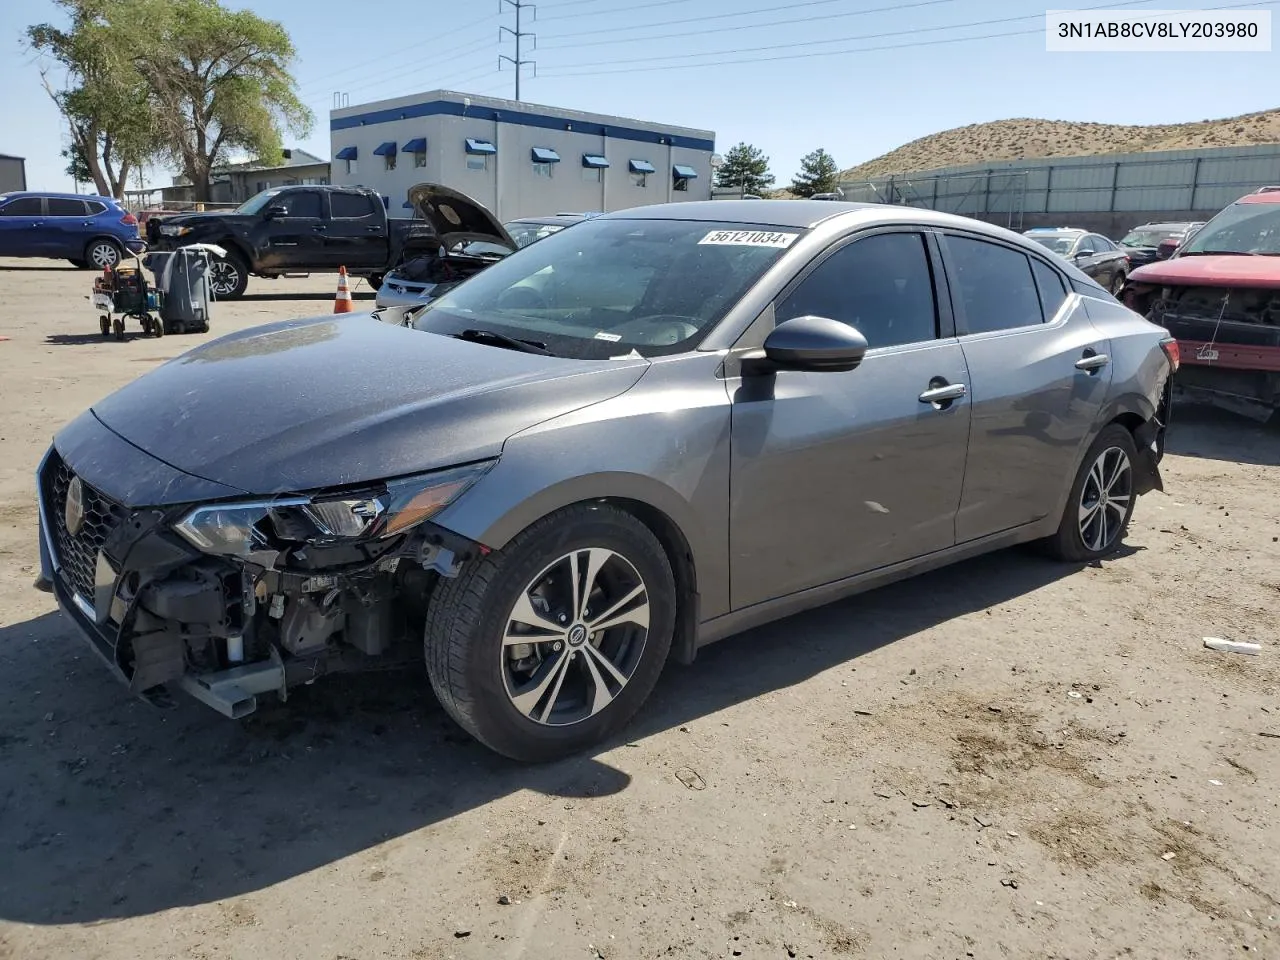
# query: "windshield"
{"points": [[1240, 228], [1058, 243], [608, 288], [256, 202], [1148, 238]]}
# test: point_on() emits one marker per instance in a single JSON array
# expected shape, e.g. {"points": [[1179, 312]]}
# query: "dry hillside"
{"points": [[1025, 139]]}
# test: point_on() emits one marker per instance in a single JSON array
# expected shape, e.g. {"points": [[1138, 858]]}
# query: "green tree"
{"points": [[746, 167], [818, 174], [103, 98], [219, 82]]}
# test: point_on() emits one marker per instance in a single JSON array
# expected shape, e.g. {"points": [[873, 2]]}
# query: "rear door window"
{"points": [[994, 285], [64, 207], [350, 206], [95, 207], [1050, 287]]}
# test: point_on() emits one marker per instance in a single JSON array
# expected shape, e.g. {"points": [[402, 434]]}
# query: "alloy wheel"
{"points": [[224, 277], [1105, 499], [103, 255], [574, 637]]}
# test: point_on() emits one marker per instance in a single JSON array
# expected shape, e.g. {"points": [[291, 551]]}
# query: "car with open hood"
{"points": [[429, 272], [642, 434], [1219, 295]]}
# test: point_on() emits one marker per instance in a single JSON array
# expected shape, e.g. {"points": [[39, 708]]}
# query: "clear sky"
{"points": [[807, 73]]}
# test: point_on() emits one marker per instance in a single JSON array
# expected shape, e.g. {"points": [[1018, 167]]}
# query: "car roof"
{"points": [[57, 196], [1164, 225], [1055, 232]]}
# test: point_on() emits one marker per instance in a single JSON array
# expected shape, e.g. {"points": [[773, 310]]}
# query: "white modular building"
{"points": [[518, 159]]}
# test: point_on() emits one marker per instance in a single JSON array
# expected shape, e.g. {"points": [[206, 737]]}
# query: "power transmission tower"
{"points": [[519, 34]]}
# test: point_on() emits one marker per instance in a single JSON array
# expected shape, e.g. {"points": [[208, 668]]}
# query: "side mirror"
{"points": [[275, 210], [1083, 254], [817, 344]]}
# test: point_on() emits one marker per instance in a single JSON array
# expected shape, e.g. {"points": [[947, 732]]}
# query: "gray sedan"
{"points": [[606, 450]]}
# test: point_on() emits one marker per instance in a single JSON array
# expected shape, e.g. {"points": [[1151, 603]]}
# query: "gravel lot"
{"points": [[1010, 758]]}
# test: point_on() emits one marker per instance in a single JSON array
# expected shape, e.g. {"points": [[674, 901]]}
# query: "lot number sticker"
{"points": [[748, 238]]}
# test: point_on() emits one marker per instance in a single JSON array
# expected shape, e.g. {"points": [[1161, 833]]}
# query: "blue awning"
{"points": [[416, 146], [594, 161], [407, 205], [642, 166], [387, 149], [346, 153], [685, 173], [482, 147], [545, 155]]}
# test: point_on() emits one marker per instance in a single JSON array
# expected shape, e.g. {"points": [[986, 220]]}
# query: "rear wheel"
{"points": [[103, 253], [551, 644], [1101, 503], [78, 263], [228, 277], [375, 280], [1118, 284]]}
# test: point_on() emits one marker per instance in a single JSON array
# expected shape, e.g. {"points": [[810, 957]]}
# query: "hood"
{"points": [[455, 217], [306, 404], [1211, 271]]}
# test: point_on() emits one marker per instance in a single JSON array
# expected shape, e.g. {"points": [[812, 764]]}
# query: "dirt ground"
{"points": [[1007, 759]]}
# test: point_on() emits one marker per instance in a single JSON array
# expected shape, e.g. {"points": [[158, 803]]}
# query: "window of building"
{"points": [[681, 175], [350, 206], [543, 170], [62, 207], [995, 285], [477, 163], [389, 161], [478, 153], [881, 285], [593, 167], [592, 174], [420, 158], [640, 170], [544, 161], [352, 167], [348, 156], [418, 148]]}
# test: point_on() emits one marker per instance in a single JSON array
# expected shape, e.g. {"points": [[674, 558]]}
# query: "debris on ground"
{"points": [[1232, 646], [691, 778]]}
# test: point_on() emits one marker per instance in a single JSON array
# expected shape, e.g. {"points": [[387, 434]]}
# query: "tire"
{"points": [[102, 253], [375, 280], [117, 325], [104, 324], [228, 277], [1078, 541], [475, 674], [1117, 285]]}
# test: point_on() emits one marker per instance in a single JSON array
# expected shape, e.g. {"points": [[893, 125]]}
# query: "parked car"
{"points": [[302, 229], [1169, 245], [1091, 252], [1220, 296], [536, 475], [89, 231], [428, 272], [1143, 244]]}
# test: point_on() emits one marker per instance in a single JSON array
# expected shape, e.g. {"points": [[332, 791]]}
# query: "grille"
{"points": [[78, 553]]}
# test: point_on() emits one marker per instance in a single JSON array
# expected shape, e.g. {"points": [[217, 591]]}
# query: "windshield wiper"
{"points": [[502, 340]]}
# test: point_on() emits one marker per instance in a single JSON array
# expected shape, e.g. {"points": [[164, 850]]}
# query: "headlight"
{"points": [[237, 529], [174, 231]]}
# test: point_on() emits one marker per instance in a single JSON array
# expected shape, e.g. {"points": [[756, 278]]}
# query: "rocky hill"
{"points": [[1026, 139]]}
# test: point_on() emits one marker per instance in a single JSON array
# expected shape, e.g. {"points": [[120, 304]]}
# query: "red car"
{"points": [[1219, 295]]}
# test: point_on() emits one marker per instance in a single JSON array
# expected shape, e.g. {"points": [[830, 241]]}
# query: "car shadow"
{"points": [[115, 809], [83, 339], [43, 268], [1208, 433]]}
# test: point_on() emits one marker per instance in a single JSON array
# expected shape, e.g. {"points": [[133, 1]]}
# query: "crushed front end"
{"points": [[1228, 339], [229, 600]]}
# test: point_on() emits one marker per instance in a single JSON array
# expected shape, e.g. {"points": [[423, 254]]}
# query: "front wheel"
{"points": [[228, 277], [1102, 499], [375, 280], [551, 644], [1118, 284]]}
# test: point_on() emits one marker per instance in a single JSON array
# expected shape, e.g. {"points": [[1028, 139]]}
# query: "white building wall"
{"points": [[510, 184]]}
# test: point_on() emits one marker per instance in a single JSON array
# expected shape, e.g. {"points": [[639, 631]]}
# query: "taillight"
{"points": [[129, 220], [1170, 347]]}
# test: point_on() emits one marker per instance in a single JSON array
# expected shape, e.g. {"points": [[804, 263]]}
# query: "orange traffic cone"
{"points": [[342, 302]]}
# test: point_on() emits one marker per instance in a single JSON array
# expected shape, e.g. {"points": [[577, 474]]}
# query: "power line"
{"points": [[864, 36], [411, 54], [833, 53], [460, 54], [720, 16], [752, 26], [600, 13]]}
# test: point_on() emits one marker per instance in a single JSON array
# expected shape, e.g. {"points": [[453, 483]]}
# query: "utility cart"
{"points": [[123, 293]]}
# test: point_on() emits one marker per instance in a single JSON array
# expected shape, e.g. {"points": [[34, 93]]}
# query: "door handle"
{"points": [[944, 393], [374, 229], [318, 228], [1092, 362]]}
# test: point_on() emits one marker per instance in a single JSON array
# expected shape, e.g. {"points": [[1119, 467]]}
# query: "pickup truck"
{"points": [[292, 230]]}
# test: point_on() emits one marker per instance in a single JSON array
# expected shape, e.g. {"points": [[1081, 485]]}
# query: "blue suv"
{"points": [[91, 232]]}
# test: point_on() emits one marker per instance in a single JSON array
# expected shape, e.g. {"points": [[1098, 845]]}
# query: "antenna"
{"points": [[518, 60]]}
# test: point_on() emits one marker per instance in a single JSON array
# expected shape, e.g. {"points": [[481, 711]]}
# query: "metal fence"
{"points": [[1120, 186]]}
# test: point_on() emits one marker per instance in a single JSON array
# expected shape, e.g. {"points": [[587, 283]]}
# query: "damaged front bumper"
{"points": [[162, 614]]}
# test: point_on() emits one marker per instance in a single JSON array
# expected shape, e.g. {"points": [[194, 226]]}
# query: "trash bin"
{"points": [[182, 276]]}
